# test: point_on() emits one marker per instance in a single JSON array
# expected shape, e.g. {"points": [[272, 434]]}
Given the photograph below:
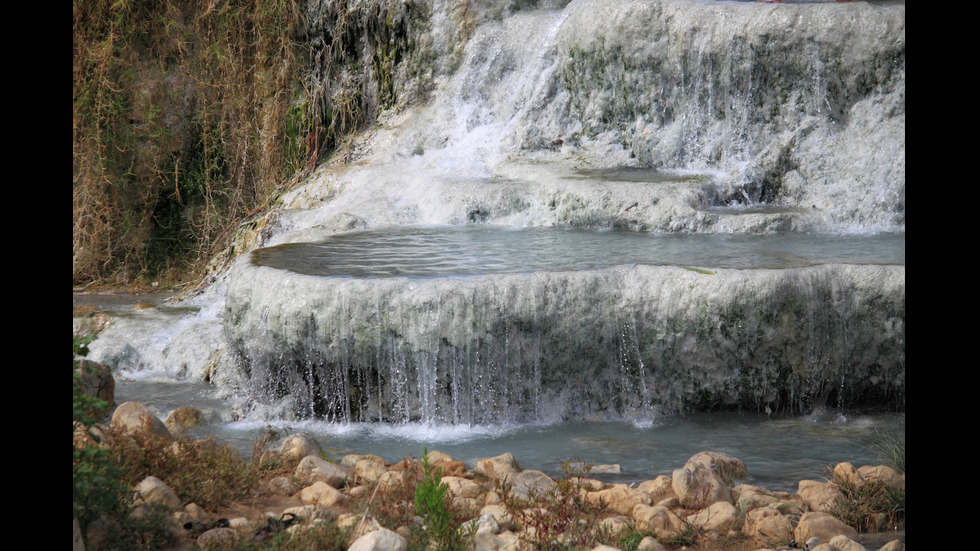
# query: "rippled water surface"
{"points": [[459, 251]]}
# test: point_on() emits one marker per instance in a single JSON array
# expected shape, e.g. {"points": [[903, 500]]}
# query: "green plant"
{"points": [[96, 488], [870, 506], [891, 450], [432, 503]]}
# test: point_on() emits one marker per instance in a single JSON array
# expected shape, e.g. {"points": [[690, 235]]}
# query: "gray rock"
{"points": [[135, 417], [312, 469], [379, 540]]}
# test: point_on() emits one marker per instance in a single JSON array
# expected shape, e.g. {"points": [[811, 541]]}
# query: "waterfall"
{"points": [[660, 116]]}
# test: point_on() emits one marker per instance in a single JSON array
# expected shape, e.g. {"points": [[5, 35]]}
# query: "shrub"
{"points": [[98, 486], [559, 518], [198, 471], [432, 503]]}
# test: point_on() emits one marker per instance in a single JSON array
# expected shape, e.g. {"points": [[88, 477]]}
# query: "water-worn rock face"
{"points": [[796, 105], [613, 342]]}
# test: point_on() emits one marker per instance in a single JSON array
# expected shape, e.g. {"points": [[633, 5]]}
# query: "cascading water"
{"points": [[668, 117]]}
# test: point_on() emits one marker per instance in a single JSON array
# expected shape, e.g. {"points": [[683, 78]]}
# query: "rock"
{"points": [[659, 488], [894, 545], [727, 467], [434, 457], [380, 540], [823, 526], [606, 469], [767, 524], [698, 486], [462, 487], [659, 520], [650, 544], [718, 517], [152, 491], [619, 498], [351, 459], [312, 469], [309, 512], [605, 548], [484, 524], [846, 472], [526, 483], [823, 497], [217, 538], [95, 380], [446, 464], [749, 497], [614, 525], [390, 481], [321, 493], [497, 468], [370, 469], [184, 418], [292, 448], [280, 485], [504, 541], [505, 520], [240, 523], [883, 474], [136, 418], [844, 543]]}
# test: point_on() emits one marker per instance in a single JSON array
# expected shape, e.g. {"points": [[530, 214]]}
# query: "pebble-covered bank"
{"points": [[701, 505]]}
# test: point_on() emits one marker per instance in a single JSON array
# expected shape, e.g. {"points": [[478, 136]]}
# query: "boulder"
{"points": [[292, 449], [370, 469], [95, 380], [650, 544], [351, 459], [883, 474], [446, 464], [462, 487], [152, 490], [659, 488], [380, 540], [697, 486], [659, 520], [312, 469], [619, 498], [321, 493], [821, 525], [497, 468], [845, 472], [217, 538], [768, 525], [844, 543], [184, 418], [823, 497], [748, 497], [727, 467], [504, 518], [614, 525], [531, 482], [718, 517], [136, 418], [503, 541], [309, 512]]}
